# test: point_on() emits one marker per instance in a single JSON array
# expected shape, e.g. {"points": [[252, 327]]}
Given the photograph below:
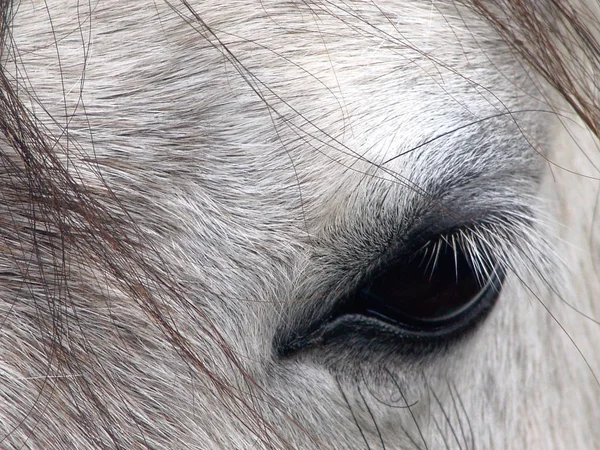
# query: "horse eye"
{"points": [[435, 292], [424, 301]]}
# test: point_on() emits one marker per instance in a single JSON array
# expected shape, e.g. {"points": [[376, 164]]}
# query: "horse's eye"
{"points": [[435, 292], [411, 305]]}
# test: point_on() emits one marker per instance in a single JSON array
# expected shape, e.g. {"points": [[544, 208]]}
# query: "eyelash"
{"points": [[433, 291]]}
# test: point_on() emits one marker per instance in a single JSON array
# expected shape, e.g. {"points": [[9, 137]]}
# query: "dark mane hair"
{"points": [[559, 40]]}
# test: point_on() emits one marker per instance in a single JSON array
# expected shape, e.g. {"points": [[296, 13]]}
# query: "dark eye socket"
{"points": [[414, 305], [435, 291]]}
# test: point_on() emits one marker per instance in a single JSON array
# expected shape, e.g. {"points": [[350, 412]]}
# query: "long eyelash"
{"points": [[501, 244], [364, 400], [352, 413], [414, 418]]}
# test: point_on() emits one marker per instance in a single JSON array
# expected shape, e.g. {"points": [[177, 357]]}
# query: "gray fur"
{"points": [[247, 150]]}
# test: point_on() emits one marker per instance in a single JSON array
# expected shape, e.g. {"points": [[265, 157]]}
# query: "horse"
{"points": [[316, 224]]}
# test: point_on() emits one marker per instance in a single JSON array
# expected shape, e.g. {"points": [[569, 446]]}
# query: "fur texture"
{"points": [[216, 173]]}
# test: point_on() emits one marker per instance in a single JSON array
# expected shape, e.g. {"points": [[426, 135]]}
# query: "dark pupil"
{"points": [[419, 294]]}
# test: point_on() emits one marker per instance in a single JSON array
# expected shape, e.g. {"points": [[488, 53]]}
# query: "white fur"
{"points": [[248, 149]]}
